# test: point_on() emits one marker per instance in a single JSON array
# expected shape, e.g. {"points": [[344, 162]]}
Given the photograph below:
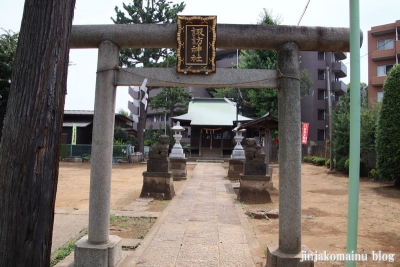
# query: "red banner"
{"points": [[304, 132]]}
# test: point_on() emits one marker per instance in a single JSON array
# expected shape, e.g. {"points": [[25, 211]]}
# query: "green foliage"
{"points": [[341, 128], [150, 11], [8, 47], [120, 135], [66, 249], [230, 93], [388, 137], [172, 100], [132, 140], [255, 101], [306, 82], [373, 174], [123, 112], [151, 137], [328, 163], [314, 160], [341, 165]]}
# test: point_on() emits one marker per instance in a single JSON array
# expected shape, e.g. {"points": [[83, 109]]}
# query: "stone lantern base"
{"points": [[178, 169], [235, 168]]}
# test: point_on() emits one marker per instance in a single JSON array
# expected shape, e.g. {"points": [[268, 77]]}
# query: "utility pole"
{"points": [[328, 89]]}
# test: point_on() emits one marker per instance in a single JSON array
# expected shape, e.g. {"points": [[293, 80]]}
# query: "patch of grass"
{"points": [[66, 249], [131, 227], [112, 218]]}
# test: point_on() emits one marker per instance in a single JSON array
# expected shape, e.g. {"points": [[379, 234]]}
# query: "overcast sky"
{"points": [[329, 13]]}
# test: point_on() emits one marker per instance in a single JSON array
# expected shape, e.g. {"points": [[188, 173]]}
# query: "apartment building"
{"points": [[383, 54], [314, 107]]}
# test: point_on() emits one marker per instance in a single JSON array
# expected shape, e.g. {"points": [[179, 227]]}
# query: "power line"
{"points": [[304, 11]]}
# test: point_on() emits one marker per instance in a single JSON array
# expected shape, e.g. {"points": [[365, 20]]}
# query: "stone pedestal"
{"points": [[235, 168], [276, 258], [178, 168], [157, 181], [254, 189], [98, 255], [158, 185]]}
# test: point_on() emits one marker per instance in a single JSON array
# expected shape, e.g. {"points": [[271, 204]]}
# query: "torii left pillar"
{"points": [[98, 248]]}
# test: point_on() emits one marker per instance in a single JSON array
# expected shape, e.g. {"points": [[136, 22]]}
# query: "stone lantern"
{"points": [[238, 152], [238, 156], [177, 157], [177, 150]]}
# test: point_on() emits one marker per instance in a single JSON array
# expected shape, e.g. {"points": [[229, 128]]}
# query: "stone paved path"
{"points": [[201, 228]]}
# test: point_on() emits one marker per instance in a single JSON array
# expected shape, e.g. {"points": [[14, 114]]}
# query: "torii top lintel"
{"points": [[229, 36]]}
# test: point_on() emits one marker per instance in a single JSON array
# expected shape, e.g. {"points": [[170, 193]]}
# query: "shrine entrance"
{"points": [[287, 40]]}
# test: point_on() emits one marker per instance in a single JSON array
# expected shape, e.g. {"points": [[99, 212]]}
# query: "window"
{"points": [[321, 55], [321, 74], [321, 94], [379, 96], [385, 44], [321, 114], [383, 70], [321, 135]]}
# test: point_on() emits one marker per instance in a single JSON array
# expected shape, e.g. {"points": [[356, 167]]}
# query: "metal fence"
{"points": [[69, 151]]}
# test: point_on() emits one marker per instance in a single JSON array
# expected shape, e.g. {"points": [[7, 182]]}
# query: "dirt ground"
{"points": [[324, 204], [324, 223]]}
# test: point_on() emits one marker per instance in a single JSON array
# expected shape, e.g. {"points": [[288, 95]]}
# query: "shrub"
{"points": [[307, 159], [319, 161], [315, 160], [388, 138], [373, 173], [328, 163], [340, 166]]}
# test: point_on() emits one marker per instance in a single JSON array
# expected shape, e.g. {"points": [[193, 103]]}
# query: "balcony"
{"points": [[383, 54], [383, 29], [378, 80], [340, 55], [339, 69], [339, 87]]}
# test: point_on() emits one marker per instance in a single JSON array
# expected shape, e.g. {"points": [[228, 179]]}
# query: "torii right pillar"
{"points": [[289, 251]]}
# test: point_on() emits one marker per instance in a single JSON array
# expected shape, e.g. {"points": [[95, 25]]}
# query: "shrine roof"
{"points": [[211, 111]]}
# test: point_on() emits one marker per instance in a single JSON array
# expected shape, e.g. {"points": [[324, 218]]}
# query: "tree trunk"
{"points": [[30, 145]]}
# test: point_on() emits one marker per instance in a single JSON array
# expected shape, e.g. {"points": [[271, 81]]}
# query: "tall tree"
{"points": [[172, 100], [8, 46], [258, 101], [123, 112], [388, 138], [30, 146], [262, 100], [341, 128], [147, 11]]}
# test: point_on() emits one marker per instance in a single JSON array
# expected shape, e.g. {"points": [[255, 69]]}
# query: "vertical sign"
{"points": [[304, 132], [196, 37], [73, 141]]}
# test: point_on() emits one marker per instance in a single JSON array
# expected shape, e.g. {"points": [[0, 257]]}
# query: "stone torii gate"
{"points": [[101, 249]]}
